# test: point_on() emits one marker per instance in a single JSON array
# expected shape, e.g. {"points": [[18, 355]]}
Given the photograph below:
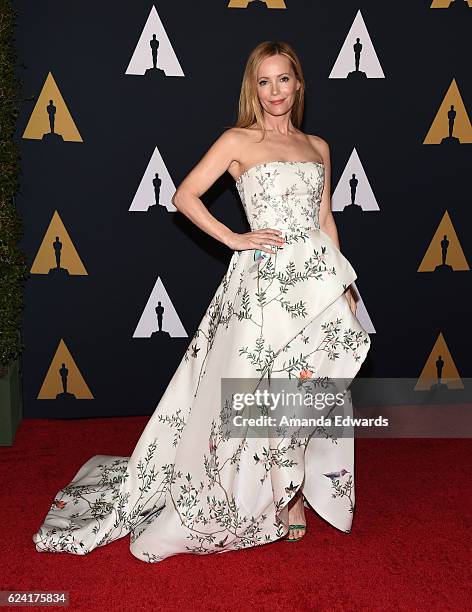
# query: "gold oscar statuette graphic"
{"points": [[51, 120], [57, 255], [451, 4], [63, 380], [439, 371], [444, 253], [271, 4], [452, 124]]}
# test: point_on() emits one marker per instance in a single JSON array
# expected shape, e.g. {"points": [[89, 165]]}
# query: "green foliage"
{"points": [[13, 272]]}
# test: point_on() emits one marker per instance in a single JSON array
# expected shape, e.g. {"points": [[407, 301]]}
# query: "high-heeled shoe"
{"points": [[290, 527]]}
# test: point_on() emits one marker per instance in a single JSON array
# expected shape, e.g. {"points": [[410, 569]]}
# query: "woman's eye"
{"points": [[264, 81]]}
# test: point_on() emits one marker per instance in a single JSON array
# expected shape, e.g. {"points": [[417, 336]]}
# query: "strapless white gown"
{"points": [[188, 486]]}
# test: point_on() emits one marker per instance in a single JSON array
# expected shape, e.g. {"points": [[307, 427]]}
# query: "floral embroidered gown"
{"points": [[189, 486]]}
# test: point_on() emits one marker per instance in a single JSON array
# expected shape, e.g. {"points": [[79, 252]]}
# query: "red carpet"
{"points": [[409, 549]]}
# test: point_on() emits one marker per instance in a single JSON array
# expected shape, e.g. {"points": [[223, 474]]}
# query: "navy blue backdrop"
{"points": [[123, 118]]}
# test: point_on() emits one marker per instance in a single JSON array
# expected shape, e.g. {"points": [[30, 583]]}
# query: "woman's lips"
{"points": [[277, 102]]}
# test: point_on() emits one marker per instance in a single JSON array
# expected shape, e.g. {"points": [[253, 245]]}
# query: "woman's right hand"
{"points": [[256, 240]]}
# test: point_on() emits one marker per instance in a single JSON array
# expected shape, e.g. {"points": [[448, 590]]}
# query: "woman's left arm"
{"points": [[326, 218]]}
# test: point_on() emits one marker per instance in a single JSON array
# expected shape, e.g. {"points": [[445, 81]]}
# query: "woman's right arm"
{"points": [[202, 176]]}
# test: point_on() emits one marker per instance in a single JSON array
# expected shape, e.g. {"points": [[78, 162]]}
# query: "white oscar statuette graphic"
{"points": [[353, 190], [156, 187], [159, 310], [357, 58], [154, 53]]}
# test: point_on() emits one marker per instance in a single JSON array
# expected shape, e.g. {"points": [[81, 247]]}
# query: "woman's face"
{"points": [[277, 84]]}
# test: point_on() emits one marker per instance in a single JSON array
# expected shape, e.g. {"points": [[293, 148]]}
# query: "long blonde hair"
{"points": [[250, 109]]}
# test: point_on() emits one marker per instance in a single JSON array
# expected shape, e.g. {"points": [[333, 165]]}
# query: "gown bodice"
{"points": [[285, 195]]}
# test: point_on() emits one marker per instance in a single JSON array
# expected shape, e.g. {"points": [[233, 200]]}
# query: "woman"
{"points": [[197, 481]]}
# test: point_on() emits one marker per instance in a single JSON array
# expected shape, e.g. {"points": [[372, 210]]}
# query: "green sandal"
{"points": [[287, 539]]}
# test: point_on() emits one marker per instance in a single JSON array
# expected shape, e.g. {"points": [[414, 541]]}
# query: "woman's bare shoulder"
{"points": [[238, 141], [320, 146], [318, 142], [238, 137]]}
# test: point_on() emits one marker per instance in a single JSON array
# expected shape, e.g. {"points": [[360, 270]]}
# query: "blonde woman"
{"points": [[209, 475]]}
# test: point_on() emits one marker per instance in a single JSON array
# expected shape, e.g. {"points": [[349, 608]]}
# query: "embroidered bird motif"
{"points": [[291, 489], [221, 543], [334, 475]]}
